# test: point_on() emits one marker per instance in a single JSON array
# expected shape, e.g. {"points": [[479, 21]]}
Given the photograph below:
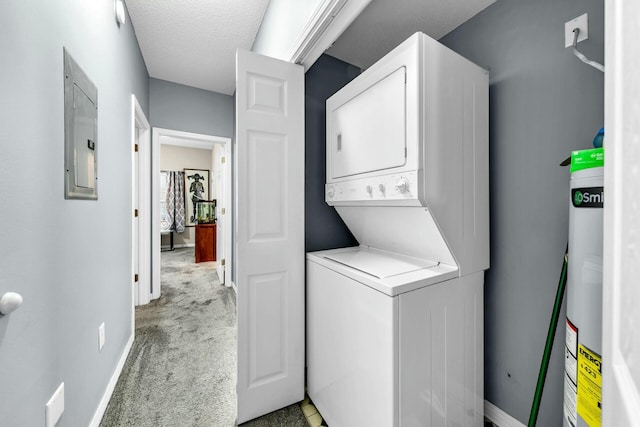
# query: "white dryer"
{"points": [[395, 326]]}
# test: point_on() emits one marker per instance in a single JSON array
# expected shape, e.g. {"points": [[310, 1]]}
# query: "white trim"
{"points": [[134, 182], [139, 121], [499, 417], [328, 22], [188, 139], [193, 140], [315, 27], [620, 388], [104, 402], [227, 253]]}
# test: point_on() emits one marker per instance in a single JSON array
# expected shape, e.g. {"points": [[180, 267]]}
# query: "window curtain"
{"points": [[175, 201]]}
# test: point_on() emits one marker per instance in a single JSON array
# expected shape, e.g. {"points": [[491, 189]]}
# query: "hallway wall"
{"points": [[189, 109], [70, 259]]}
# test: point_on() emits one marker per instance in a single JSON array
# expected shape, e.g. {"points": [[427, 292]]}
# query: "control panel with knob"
{"points": [[385, 188]]}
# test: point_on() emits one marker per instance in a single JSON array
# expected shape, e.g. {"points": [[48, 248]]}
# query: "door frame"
{"points": [[140, 173], [221, 158], [193, 140], [620, 390]]}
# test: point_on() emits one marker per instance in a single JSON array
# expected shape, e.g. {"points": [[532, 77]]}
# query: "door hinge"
{"points": [[135, 213], [222, 159], [223, 211], [135, 278], [135, 148], [222, 261]]}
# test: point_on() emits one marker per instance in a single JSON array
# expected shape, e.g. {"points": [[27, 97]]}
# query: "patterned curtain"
{"points": [[175, 201]]}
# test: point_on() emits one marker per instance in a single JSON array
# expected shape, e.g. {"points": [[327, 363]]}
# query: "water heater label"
{"points": [[589, 386], [587, 197], [570, 372]]}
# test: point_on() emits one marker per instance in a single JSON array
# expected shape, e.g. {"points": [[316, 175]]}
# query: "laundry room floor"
{"points": [[181, 370]]}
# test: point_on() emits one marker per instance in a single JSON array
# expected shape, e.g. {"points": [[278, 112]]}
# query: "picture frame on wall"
{"points": [[196, 189]]}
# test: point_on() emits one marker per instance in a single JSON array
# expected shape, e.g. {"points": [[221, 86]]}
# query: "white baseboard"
{"points": [[499, 417], [97, 417]]}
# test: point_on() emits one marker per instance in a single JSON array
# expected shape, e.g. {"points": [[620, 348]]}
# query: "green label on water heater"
{"points": [[587, 159]]}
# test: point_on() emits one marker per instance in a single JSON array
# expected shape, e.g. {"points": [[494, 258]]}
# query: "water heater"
{"points": [[583, 349]]}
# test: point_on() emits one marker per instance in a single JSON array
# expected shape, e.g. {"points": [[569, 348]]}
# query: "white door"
{"points": [[136, 226], [220, 163], [621, 293], [269, 233], [141, 202]]}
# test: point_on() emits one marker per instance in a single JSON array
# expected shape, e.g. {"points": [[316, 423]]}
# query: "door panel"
{"points": [[269, 234], [266, 210], [621, 294]]}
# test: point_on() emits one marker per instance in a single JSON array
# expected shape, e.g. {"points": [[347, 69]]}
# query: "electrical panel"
{"points": [[80, 133]]}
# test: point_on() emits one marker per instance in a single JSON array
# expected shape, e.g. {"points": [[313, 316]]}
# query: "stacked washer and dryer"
{"points": [[395, 325]]}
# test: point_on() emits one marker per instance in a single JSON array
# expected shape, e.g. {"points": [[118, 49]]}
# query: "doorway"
{"points": [[220, 188], [141, 204]]}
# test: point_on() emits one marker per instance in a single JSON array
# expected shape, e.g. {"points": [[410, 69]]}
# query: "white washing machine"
{"points": [[395, 326]]}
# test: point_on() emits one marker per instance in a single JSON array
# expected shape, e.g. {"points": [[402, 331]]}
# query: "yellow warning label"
{"points": [[589, 386]]}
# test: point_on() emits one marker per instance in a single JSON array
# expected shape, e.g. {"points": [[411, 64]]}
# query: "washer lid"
{"points": [[379, 264]]}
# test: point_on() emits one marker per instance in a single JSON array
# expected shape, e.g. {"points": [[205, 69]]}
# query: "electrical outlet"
{"points": [[55, 407], [582, 23], [101, 336]]}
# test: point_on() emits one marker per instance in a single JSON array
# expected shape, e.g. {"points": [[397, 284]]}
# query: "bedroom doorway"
{"points": [[208, 150]]}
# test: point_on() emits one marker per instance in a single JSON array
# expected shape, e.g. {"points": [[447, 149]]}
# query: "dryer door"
{"points": [[367, 133]]}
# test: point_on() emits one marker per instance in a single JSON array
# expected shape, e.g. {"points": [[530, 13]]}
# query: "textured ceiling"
{"points": [[384, 24], [194, 42]]}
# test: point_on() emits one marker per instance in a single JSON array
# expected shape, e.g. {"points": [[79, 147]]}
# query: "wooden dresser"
{"points": [[205, 242]]}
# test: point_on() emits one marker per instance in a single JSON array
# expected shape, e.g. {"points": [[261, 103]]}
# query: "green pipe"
{"points": [[553, 324]]}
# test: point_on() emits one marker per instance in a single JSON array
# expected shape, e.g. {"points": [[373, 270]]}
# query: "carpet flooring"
{"points": [[181, 370]]}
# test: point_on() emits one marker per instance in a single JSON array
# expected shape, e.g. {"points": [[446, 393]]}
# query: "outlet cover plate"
{"points": [[54, 407], [582, 23]]}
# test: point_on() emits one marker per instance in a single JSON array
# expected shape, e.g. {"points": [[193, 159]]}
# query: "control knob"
{"points": [[331, 192], [402, 185]]}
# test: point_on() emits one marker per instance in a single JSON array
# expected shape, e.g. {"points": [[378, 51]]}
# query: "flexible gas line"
{"points": [[581, 56]]}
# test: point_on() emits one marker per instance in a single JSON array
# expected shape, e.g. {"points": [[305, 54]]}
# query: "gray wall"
{"points": [[323, 227], [188, 109], [544, 103], [70, 259]]}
